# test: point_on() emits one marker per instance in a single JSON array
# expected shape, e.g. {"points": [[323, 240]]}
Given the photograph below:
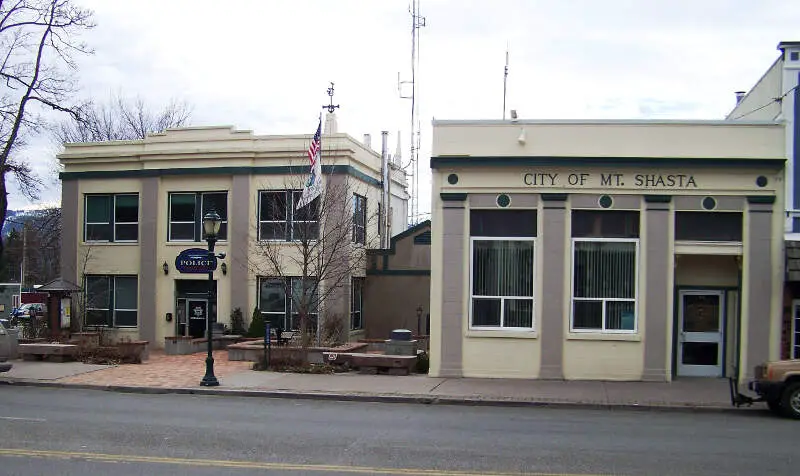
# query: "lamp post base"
{"points": [[209, 380]]}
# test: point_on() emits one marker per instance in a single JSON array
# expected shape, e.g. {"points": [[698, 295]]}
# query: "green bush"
{"points": [[423, 363], [256, 324], [237, 322]]}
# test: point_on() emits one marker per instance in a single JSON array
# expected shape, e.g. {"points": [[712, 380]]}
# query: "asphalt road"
{"points": [[84, 432]]}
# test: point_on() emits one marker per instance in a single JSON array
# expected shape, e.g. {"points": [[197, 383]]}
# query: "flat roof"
{"points": [[714, 122]]}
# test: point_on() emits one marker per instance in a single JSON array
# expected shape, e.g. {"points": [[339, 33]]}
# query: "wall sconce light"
{"points": [[224, 268], [165, 267], [521, 138]]}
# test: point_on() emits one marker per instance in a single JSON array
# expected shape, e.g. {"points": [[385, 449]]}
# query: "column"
{"points": [[657, 257], [554, 242], [453, 269]]}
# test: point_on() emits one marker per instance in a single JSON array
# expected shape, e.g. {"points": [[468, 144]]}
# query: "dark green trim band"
{"points": [[554, 197], [766, 199], [453, 197], [398, 272], [261, 170], [658, 198], [532, 161]]}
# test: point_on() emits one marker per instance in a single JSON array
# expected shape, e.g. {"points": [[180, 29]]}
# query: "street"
{"points": [[87, 432]]}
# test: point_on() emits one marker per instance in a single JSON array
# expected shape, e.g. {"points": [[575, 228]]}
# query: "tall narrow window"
{"points": [[126, 217], [604, 262], [357, 304], [502, 268], [359, 219]]}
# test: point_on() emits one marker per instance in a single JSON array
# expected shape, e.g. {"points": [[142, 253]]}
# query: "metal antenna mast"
{"points": [[505, 80], [417, 21]]}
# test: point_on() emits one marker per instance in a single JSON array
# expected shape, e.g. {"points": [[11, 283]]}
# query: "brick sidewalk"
{"points": [[162, 370]]}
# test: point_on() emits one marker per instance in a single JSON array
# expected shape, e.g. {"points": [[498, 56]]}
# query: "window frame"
{"points": [[603, 329], [472, 296], [359, 227], [112, 218], [111, 309], [362, 281], [288, 299], [289, 196], [197, 223]]}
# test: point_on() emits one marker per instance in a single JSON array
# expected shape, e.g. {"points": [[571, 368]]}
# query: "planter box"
{"points": [[179, 345], [134, 351], [86, 339]]}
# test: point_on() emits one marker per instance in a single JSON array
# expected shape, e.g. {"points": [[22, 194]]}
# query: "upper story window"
{"points": [[359, 219], [708, 226], [279, 218], [186, 211], [111, 217]]}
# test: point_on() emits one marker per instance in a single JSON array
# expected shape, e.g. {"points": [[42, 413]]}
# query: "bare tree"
{"points": [[120, 119], [314, 251], [37, 43]]}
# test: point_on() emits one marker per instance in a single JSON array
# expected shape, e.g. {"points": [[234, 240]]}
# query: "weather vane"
{"points": [[330, 106]]}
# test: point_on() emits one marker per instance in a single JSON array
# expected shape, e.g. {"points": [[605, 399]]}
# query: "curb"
{"points": [[385, 398]]}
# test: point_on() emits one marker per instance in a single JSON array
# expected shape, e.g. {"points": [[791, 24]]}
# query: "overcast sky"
{"points": [[265, 65]]}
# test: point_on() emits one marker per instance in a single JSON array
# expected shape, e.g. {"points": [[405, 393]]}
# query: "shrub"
{"points": [[256, 324], [237, 321], [423, 363]]}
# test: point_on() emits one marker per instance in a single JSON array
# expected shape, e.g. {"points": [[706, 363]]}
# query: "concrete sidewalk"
{"points": [[182, 374]]}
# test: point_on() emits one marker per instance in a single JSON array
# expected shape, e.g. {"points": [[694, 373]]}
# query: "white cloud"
{"points": [[265, 66]]}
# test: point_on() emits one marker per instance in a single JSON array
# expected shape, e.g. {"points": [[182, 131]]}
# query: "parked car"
{"points": [[778, 384], [5, 349], [28, 310]]}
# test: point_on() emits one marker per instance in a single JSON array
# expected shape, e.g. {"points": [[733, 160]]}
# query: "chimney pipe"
{"points": [[386, 179], [739, 96]]}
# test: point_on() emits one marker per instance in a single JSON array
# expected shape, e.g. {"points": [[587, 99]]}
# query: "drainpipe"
{"points": [[385, 178]]}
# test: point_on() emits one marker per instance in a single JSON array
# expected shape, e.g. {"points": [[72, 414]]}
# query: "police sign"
{"points": [[195, 260]]}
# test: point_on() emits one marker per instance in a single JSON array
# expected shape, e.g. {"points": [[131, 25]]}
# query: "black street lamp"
{"points": [[211, 224]]}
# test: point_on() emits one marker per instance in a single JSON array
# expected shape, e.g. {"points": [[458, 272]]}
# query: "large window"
{"points": [[502, 245], [279, 218], [186, 211], [280, 301], [111, 301], [111, 217], [708, 226], [604, 261], [357, 304], [359, 219]]}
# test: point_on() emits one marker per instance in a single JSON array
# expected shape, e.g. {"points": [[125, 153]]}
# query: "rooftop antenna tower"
{"points": [[505, 81], [417, 21]]}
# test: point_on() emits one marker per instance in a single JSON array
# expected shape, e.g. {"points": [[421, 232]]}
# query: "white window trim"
{"points": [[635, 299], [115, 222], [360, 304], [223, 222], [356, 226], [288, 222], [196, 239], [86, 222], [170, 222], [472, 240], [114, 290]]}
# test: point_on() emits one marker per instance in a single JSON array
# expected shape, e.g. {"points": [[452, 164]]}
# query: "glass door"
{"points": [[701, 333], [197, 310]]}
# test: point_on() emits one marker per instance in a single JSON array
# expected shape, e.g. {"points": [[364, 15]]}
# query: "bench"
{"points": [[50, 352]]}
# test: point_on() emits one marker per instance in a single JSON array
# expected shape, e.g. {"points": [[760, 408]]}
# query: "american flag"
{"points": [[313, 187], [313, 149]]}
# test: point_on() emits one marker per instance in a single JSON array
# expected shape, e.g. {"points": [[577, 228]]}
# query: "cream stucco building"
{"points": [[131, 207], [620, 250]]}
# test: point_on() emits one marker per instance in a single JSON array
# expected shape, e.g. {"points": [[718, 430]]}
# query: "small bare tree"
{"points": [[314, 250], [120, 119], [37, 44]]}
